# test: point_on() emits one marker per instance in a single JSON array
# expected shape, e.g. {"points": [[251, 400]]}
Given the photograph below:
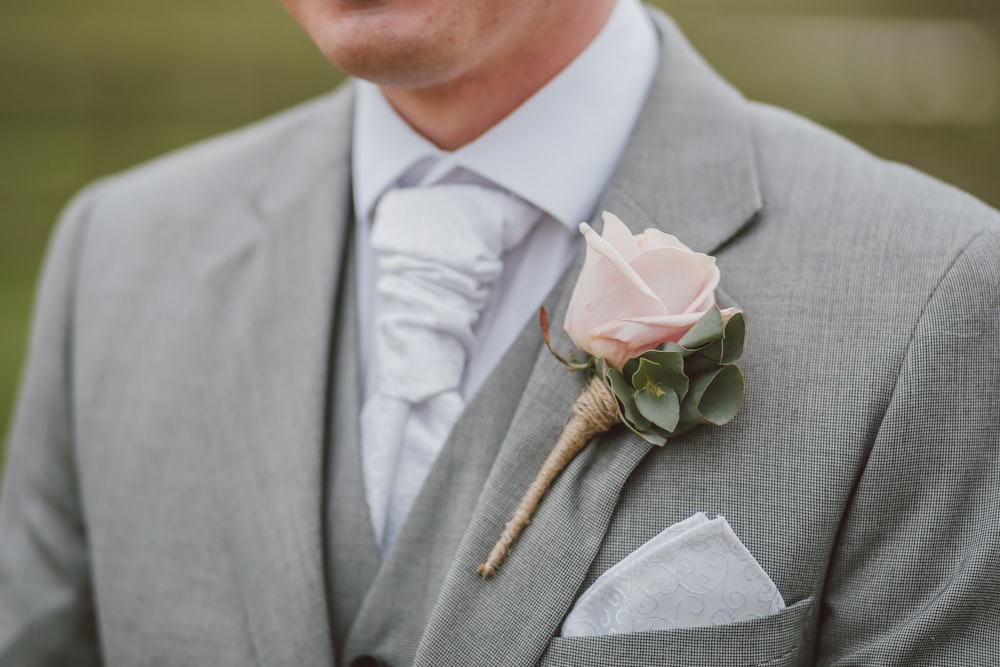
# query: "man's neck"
{"points": [[455, 113]]}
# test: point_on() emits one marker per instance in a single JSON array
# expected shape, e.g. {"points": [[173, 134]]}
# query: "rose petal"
{"points": [[706, 299], [646, 331], [679, 278], [619, 236], [607, 289], [617, 342], [598, 245], [651, 239], [703, 303], [728, 313], [614, 352]]}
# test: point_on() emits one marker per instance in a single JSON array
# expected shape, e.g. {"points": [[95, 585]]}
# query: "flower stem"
{"points": [[594, 412]]}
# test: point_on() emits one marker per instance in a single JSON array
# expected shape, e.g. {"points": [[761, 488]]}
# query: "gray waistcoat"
{"points": [[382, 609]]}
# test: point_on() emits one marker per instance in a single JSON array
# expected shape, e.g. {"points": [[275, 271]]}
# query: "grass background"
{"points": [[90, 88]]}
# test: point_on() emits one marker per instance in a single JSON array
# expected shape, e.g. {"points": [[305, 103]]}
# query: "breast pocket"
{"points": [[776, 640]]}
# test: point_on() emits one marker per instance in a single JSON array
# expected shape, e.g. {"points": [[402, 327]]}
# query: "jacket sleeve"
{"points": [[47, 613], [915, 576]]}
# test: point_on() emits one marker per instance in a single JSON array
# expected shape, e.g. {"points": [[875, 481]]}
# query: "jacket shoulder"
{"points": [[813, 177], [175, 217], [198, 177]]}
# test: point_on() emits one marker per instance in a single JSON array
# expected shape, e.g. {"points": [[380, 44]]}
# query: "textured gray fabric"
{"points": [[777, 636], [166, 459], [863, 471], [46, 599], [395, 612], [352, 558], [386, 615]]}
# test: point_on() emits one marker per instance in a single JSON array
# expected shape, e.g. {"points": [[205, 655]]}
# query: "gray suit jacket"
{"points": [[163, 501]]}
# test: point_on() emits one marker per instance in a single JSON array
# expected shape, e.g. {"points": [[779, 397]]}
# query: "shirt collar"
{"points": [[557, 150]]}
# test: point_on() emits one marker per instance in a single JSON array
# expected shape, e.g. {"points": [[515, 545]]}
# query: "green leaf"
{"points": [[690, 416], [705, 330], [652, 437], [671, 366], [625, 395], [614, 381], [648, 375], [683, 427], [712, 352], [715, 397], [695, 365], [733, 342], [671, 346], [631, 366], [700, 383], [650, 434], [663, 408]]}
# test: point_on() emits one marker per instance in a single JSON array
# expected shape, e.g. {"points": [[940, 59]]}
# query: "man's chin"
{"points": [[407, 66]]}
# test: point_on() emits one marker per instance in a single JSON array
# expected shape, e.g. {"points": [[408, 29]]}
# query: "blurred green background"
{"points": [[92, 87]]}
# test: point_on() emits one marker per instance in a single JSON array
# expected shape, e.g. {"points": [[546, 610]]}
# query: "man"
{"points": [[186, 481]]}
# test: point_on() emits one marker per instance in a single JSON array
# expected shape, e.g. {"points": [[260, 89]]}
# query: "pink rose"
{"points": [[636, 292]]}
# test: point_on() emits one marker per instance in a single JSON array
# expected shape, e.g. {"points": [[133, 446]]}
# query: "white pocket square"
{"points": [[695, 573]]}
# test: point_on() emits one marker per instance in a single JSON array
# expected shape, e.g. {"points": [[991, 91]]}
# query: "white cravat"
{"points": [[439, 250], [556, 151]]}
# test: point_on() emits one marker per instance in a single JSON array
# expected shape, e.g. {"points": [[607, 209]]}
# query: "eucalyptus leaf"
{"points": [[690, 416], [700, 383], [671, 346], [712, 352], [705, 330], [616, 383], [631, 366], [690, 407], [735, 333], [648, 375], [696, 364], [723, 397], [672, 370], [652, 437], [662, 409], [671, 390], [683, 427], [625, 395], [715, 397]]}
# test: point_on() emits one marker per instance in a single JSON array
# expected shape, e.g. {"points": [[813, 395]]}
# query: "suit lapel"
{"points": [[688, 170], [508, 619], [268, 320]]}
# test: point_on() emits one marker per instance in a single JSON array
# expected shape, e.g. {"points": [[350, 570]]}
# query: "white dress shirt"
{"points": [[557, 151]]}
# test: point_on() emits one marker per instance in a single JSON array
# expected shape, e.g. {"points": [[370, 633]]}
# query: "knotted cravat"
{"points": [[439, 250]]}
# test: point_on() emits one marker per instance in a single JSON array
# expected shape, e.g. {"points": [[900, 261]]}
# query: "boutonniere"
{"points": [[660, 352]]}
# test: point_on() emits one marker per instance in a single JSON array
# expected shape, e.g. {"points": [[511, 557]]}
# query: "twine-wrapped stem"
{"points": [[594, 412]]}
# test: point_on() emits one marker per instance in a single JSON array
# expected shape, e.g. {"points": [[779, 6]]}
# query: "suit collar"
{"points": [[689, 170]]}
